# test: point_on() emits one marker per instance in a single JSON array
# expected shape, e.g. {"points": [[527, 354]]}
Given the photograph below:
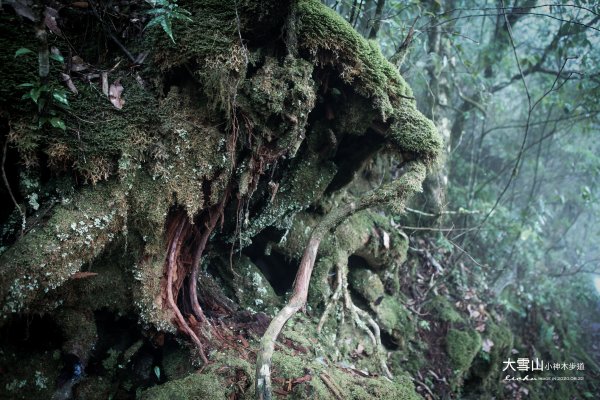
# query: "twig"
{"points": [[331, 386], [460, 211], [111, 35], [424, 386]]}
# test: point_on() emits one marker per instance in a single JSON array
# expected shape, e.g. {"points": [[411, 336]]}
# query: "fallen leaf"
{"points": [[82, 274], [360, 349], [114, 95], [141, 57], [480, 327], [21, 7], [77, 64], [50, 15], [386, 239], [69, 82], [487, 345], [105, 83]]}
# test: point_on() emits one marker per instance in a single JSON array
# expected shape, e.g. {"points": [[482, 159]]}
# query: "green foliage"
{"points": [[164, 12], [51, 102]]}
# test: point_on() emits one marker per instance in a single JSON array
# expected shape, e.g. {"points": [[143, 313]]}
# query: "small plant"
{"points": [[48, 100], [164, 12]]}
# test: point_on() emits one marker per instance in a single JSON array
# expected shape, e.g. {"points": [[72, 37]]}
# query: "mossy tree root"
{"points": [[358, 315], [395, 192]]}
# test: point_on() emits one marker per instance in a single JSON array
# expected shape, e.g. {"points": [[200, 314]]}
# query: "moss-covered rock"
{"points": [[462, 347], [368, 284], [252, 289], [393, 316], [443, 310]]}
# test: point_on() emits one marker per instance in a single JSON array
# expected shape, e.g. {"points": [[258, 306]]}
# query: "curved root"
{"points": [[182, 238], [396, 191]]}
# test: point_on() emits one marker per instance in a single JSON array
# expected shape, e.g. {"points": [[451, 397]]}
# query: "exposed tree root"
{"points": [[358, 316], [172, 269], [184, 236], [396, 191]]}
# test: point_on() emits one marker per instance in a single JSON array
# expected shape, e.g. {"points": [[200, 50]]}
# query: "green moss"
{"points": [[444, 310], [294, 194], [367, 283], [414, 133], [462, 347], [194, 386], [330, 40], [488, 366], [47, 256], [252, 289], [288, 366], [393, 317], [278, 98], [176, 362]]}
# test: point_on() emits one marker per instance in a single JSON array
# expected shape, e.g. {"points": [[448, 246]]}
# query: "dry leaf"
{"points": [[50, 15], [81, 274], [140, 81], [386, 239], [77, 64], [360, 349], [22, 8], [114, 95], [69, 82], [105, 83], [487, 345]]}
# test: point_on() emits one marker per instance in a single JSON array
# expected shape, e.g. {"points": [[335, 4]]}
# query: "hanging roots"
{"points": [[358, 316], [186, 245]]}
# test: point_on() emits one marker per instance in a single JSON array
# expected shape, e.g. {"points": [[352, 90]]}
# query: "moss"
{"points": [[330, 40], [294, 194], [193, 386], [462, 347], [444, 310], [47, 256], [319, 290], [288, 366], [278, 98], [414, 133], [252, 289], [176, 362], [488, 366], [367, 284], [97, 135], [400, 388], [394, 318]]}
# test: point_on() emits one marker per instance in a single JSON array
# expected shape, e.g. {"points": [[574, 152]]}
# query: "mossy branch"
{"points": [[396, 192]]}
